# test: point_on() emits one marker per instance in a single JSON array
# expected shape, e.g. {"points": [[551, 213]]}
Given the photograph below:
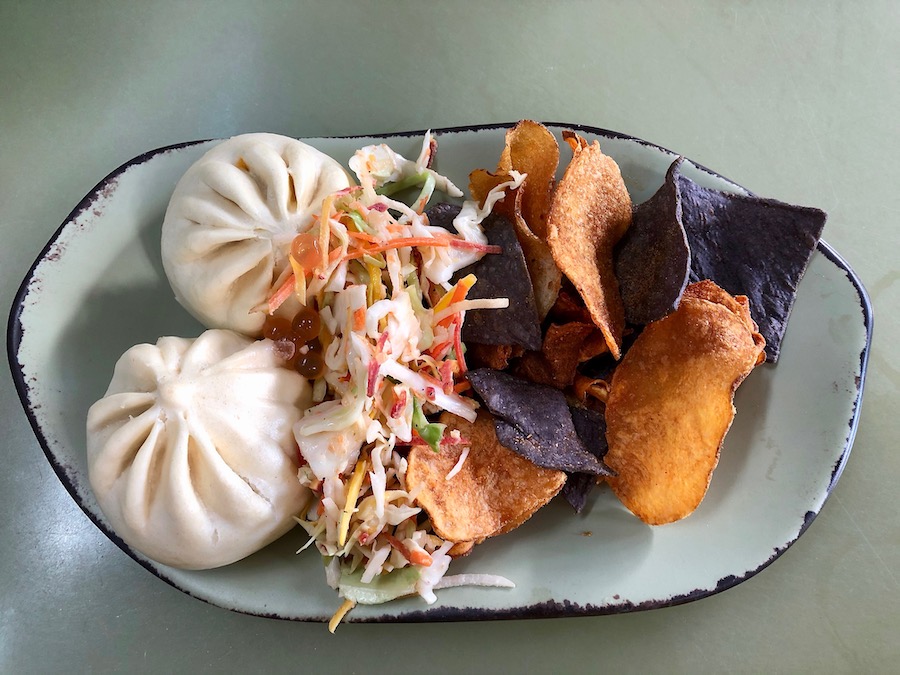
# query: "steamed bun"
{"points": [[190, 452], [230, 222]]}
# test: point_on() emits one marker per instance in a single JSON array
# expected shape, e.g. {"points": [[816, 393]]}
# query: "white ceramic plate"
{"points": [[98, 288]]}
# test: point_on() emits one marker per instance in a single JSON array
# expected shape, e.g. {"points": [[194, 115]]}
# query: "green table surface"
{"points": [[797, 101]]}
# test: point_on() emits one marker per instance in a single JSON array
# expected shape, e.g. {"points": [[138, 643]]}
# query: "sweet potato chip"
{"points": [[569, 307], [590, 212], [495, 491], [670, 402], [495, 357], [564, 347]]}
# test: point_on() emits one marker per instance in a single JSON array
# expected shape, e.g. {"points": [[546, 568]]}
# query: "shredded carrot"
{"points": [[456, 294], [283, 293], [359, 318], [416, 557], [457, 346], [460, 387], [362, 236], [403, 242], [440, 350], [400, 242]]}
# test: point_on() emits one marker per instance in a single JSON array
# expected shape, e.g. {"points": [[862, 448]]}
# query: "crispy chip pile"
{"points": [[670, 402], [652, 361], [495, 491], [590, 212]]}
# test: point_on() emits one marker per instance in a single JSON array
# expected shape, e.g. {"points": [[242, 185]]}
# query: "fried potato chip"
{"points": [[461, 549], [546, 277], [588, 389], [590, 212], [482, 181], [495, 357], [564, 348], [670, 402], [569, 307], [495, 490], [532, 149]]}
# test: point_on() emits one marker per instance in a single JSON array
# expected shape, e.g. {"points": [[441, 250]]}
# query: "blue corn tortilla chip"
{"points": [[653, 259], [750, 246], [534, 421], [502, 275], [590, 426]]}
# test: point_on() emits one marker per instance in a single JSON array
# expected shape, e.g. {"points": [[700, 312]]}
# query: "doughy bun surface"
{"points": [[231, 219], [190, 452]]}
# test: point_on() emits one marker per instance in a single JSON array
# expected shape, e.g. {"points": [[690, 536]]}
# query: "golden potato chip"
{"points": [[488, 356], [569, 307], [495, 490], [546, 277], [590, 212], [670, 402], [565, 346], [482, 181], [590, 389], [531, 149], [461, 549]]}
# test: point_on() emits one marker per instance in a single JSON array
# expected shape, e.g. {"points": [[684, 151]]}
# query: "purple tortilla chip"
{"points": [[534, 421], [500, 275], [653, 260], [590, 426], [442, 215], [750, 246]]}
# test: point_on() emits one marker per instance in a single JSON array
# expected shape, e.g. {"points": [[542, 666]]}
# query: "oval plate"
{"points": [[98, 288]]}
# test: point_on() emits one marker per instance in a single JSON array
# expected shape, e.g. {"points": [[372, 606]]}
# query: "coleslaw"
{"points": [[381, 279]]}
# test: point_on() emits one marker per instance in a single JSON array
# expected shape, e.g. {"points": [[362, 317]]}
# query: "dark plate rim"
{"points": [[549, 609]]}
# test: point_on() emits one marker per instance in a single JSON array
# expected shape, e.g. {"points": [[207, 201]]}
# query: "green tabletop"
{"points": [[796, 101]]}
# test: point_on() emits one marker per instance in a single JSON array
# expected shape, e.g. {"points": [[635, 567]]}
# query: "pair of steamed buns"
{"points": [[191, 455]]}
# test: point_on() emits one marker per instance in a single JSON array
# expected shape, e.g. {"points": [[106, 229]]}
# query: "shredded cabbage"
{"points": [[390, 355]]}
